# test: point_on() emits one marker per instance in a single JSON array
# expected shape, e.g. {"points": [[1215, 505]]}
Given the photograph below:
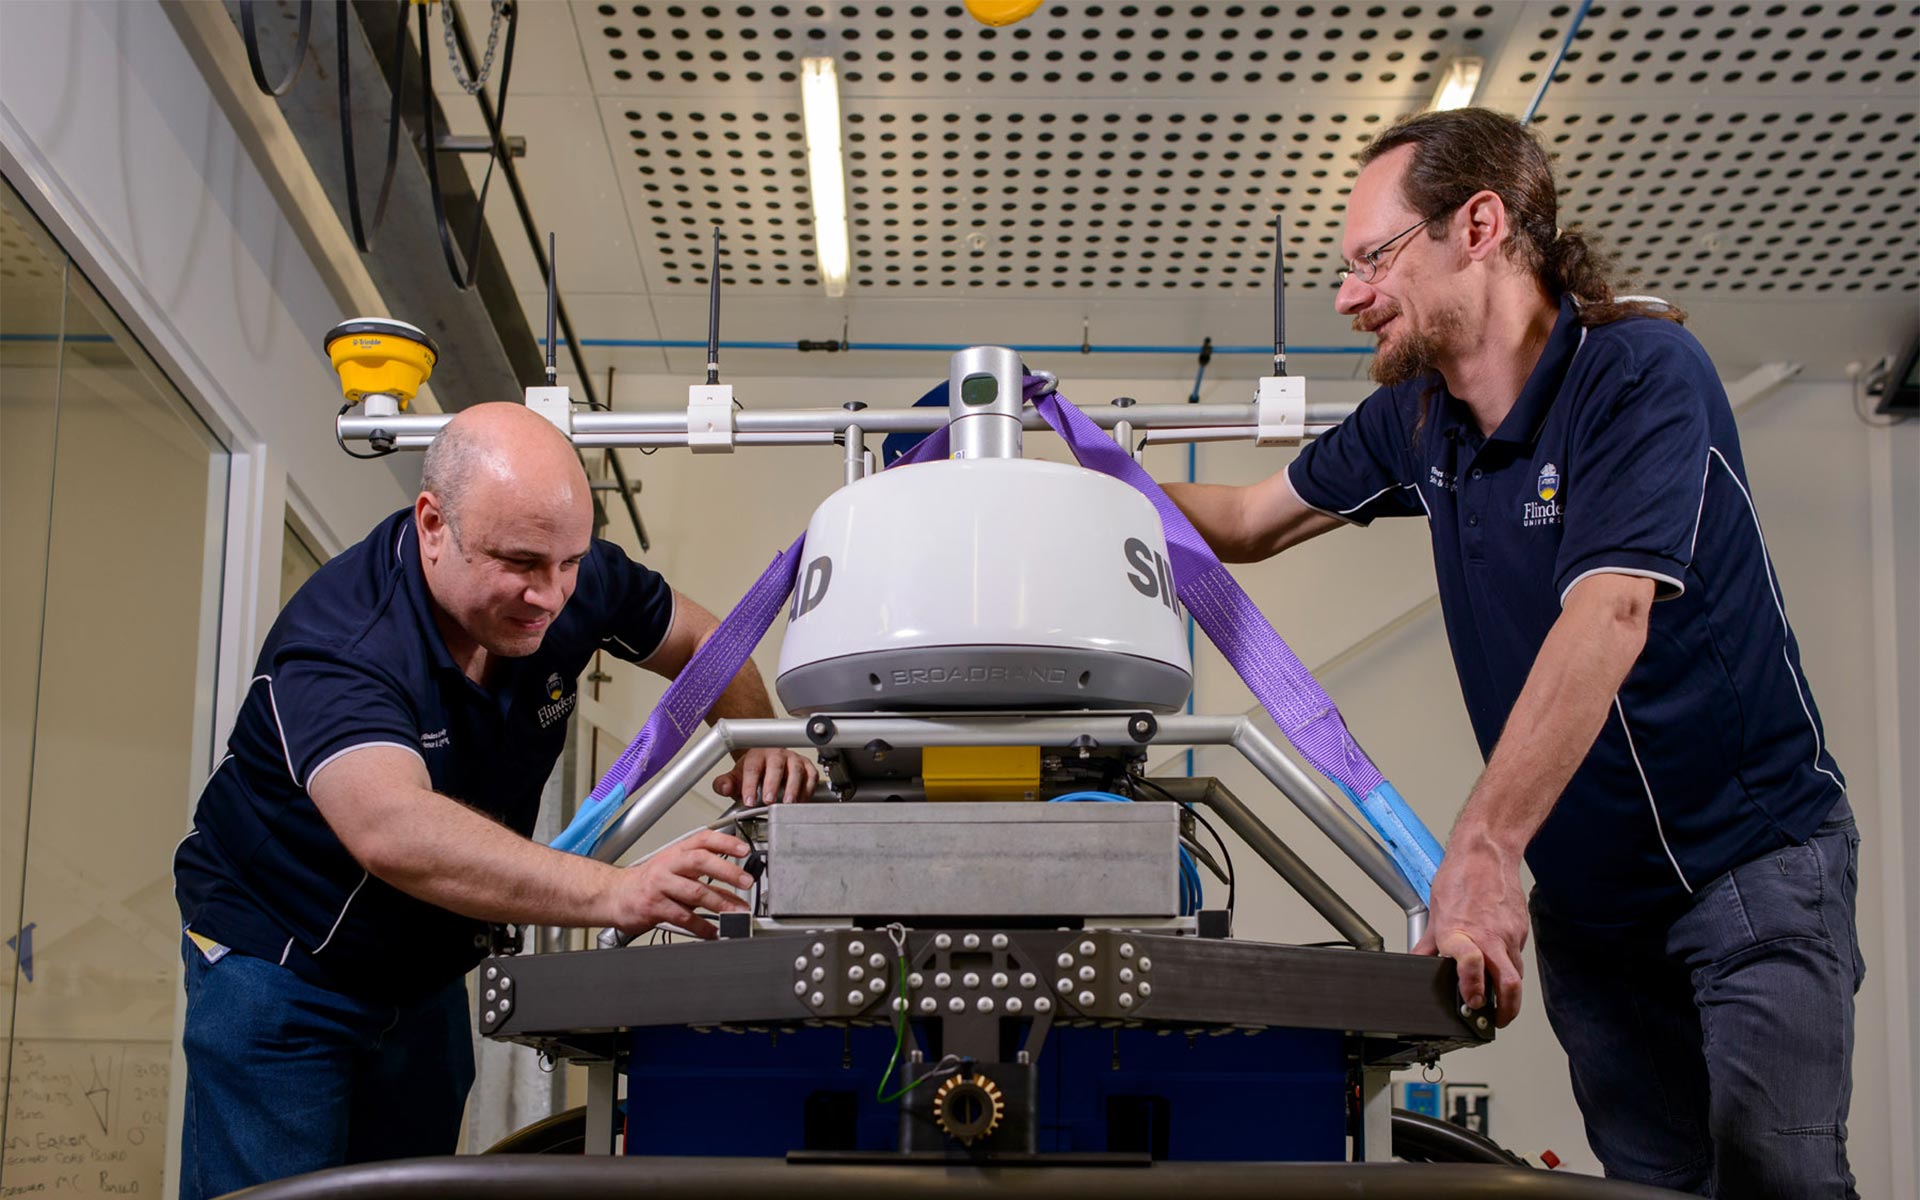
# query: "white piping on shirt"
{"points": [[275, 706], [1633, 571], [1646, 787], [337, 754], [1766, 560], [364, 876], [673, 610]]}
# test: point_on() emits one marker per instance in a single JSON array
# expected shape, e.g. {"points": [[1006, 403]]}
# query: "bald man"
{"points": [[371, 815]]}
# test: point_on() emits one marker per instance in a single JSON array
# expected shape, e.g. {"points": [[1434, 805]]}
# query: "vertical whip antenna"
{"points": [[552, 310], [1279, 297], [713, 313]]}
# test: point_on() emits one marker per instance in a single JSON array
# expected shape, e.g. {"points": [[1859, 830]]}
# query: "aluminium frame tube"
{"points": [[1262, 840], [853, 730]]}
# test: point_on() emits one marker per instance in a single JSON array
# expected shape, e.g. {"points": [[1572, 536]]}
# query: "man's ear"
{"points": [[430, 524], [1484, 216]]}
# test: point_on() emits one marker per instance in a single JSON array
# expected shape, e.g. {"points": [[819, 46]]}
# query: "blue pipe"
{"points": [[1063, 348], [1572, 31]]}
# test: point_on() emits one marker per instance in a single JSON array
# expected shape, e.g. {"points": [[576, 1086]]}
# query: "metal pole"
{"points": [[1195, 422], [667, 789], [1333, 820], [1208, 791]]}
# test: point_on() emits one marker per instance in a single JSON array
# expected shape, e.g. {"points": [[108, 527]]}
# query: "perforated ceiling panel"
{"points": [[1093, 148], [1761, 149], [1136, 149]]}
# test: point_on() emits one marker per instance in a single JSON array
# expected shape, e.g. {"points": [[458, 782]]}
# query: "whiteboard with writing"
{"points": [[85, 1118]]}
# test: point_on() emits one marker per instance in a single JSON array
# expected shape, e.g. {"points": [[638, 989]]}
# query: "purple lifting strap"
{"points": [[1276, 676]]}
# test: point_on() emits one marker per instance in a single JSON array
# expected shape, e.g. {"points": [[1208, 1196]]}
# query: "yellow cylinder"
{"points": [[378, 357], [1001, 12]]}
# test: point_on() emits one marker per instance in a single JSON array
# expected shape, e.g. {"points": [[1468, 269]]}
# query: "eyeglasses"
{"points": [[1368, 267]]}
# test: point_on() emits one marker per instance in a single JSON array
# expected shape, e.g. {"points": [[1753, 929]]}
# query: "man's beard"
{"points": [[1414, 352]]}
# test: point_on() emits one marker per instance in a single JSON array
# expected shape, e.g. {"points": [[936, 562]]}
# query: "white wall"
{"points": [[717, 520], [116, 139], [119, 144]]}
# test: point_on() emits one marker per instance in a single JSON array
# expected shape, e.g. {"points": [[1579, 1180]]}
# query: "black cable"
{"points": [[1226, 855], [463, 277], [351, 452], [1279, 297], [252, 37], [362, 234]]}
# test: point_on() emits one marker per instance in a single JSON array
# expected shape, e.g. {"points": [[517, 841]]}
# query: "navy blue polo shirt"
{"points": [[355, 660], [1619, 456]]}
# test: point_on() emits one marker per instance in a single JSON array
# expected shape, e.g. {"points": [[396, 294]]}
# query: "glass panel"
{"points": [[298, 561], [32, 291], [118, 745]]}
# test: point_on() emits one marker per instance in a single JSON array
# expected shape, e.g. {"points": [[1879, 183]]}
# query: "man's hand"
{"points": [[684, 876], [1478, 918], [769, 777]]}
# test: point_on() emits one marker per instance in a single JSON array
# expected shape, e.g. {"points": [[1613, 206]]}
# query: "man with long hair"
{"points": [[1653, 749]]}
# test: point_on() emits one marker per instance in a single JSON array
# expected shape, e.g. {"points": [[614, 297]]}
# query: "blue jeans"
{"points": [[1714, 1054], [286, 1077]]}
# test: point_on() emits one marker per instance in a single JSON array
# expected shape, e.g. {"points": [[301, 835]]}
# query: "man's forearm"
{"points": [[1562, 708], [1217, 512], [436, 849]]}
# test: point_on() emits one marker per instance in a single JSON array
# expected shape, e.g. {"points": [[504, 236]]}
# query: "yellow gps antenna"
{"points": [[381, 363]]}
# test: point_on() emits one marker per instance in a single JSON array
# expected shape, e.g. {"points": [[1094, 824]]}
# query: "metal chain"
{"points": [[471, 86]]}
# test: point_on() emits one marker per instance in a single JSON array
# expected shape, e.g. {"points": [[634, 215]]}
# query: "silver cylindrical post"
{"points": [[856, 461], [1343, 830], [663, 793], [984, 399]]}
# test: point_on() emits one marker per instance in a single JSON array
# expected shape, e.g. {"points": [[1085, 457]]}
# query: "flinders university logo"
{"points": [[1546, 510], [562, 701]]}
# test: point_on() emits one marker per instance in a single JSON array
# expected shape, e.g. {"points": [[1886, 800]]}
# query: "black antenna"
{"points": [[713, 313], [552, 311], [1279, 298]]}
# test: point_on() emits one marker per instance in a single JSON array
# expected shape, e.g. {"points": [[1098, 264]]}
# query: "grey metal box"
{"points": [[972, 859]]}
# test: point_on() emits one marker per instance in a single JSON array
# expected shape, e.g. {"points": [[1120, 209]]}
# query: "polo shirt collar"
{"points": [[1529, 413], [407, 550], [1523, 422]]}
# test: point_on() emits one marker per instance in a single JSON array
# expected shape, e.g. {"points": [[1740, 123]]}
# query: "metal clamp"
{"points": [[1280, 410], [710, 418]]}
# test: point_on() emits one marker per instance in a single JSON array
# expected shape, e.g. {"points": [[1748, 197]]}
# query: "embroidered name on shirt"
{"points": [[557, 711], [1546, 510], [437, 740], [1443, 480]]}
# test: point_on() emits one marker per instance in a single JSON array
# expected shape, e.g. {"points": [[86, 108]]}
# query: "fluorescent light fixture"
{"points": [[1458, 85], [820, 103]]}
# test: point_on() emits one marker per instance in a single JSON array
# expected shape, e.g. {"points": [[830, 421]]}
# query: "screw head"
{"points": [[816, 999], [1086, 999], [1013, 1004], [800, 964]]}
